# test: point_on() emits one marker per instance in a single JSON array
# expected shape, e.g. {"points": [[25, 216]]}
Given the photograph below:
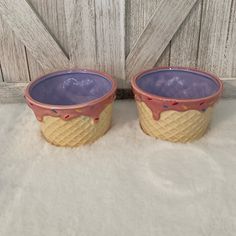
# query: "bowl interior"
{"points": [[178, 83], [70, 88]]}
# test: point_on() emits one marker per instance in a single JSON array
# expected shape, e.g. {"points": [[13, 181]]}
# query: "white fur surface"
{"points": [[126, 183]]}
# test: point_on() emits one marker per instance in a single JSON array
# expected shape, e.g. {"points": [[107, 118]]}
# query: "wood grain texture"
{"points": [[230, 52], [13, 58], [184, 45], [138, 14], [1, 76], [214, 46], [81, 28], [96, 35], [34, 35], [52, 14], [164, 59], [110, 36], [167, 18], [12, 92]]}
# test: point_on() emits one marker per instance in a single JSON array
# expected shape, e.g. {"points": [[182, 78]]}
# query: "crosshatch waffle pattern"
{"points": [[77, 131], [173, 125]]}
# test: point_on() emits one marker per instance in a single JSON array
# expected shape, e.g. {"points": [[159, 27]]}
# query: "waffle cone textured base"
{"points": [[175, 126], [77, 131]]}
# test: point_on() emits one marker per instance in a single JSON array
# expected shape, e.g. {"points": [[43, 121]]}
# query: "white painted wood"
{"points": [[214, 47], [30, 30], [52, 13], [157, 34], [184, 45], [110, 36], [12, 55]]}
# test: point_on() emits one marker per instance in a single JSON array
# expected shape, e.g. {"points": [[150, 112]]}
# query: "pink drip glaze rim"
{"points": [[181, 91], [74, 106], [213, 77]]}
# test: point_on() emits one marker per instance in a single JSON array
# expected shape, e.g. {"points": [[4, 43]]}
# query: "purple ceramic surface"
{"points": [[177, 83], [70, 88]]}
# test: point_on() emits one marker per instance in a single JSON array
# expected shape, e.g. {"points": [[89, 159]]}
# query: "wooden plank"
{"points": [[81, 28], [35, 69], [138, 14], [12, 92], [229, 88], [164, 59], [214, 47], [96, 35], [52, 13], [184, 45], [230, 52], [13, 58], [31, 31], [1, 76], [110, 36], [167, 18]]}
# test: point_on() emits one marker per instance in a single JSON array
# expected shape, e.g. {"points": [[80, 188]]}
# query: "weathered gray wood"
{"points": [[230, 53], [138, 14], [184, 45], [12, 92], [110, 36], [13, 58], [81, 28], [52, 13], [31, 31], [157, 34], [164, 59], [214, 47], [229, 87], [35, 69], [1, 76], [96, 35]]}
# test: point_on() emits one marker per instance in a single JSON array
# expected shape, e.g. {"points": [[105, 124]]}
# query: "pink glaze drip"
{"points": [[159, 106], [92, 111]]}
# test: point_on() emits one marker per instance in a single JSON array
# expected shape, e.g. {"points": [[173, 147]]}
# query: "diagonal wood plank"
{"points": [[81, 28], [96, 31], [110, 36], [138, 13], [52, 14], [31, 31], [184, 45], [13, 58], [167, 19]]}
